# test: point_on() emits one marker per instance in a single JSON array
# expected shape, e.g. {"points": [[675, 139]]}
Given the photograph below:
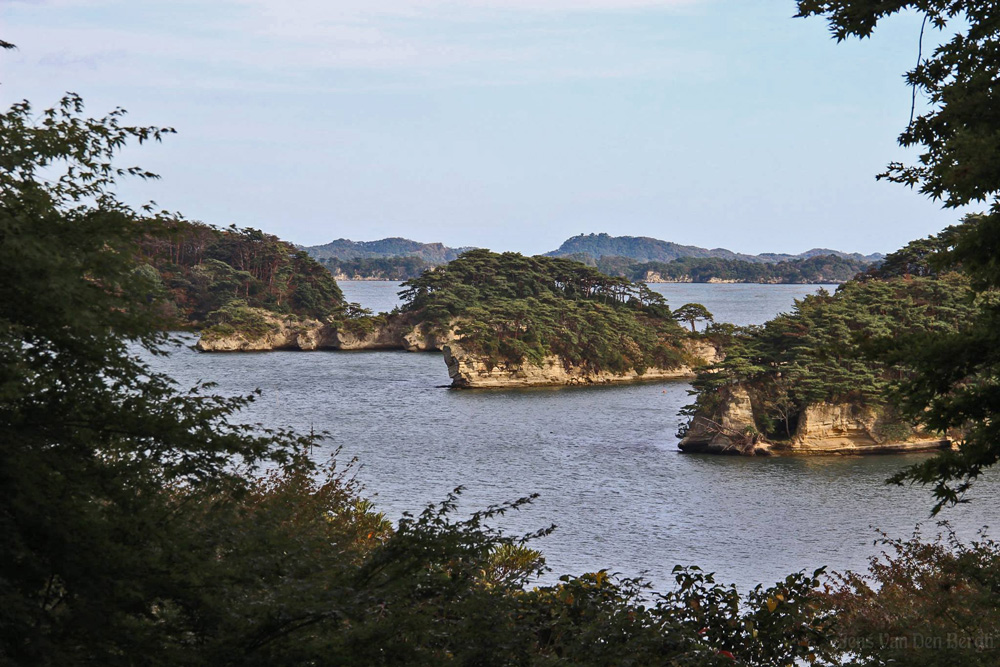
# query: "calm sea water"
{"points": [[604, 460]]}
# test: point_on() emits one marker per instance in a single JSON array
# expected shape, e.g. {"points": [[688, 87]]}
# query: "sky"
{"points": [[507, 124]]}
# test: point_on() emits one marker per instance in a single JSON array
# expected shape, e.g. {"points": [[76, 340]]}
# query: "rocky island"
{"points": [[259, 330], [812, 381], [501, 320], [541, 321]]}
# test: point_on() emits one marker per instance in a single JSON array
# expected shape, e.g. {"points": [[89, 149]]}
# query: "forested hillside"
{"points": [[201, 269], [344, 249], [646, 249], [818, 269]]}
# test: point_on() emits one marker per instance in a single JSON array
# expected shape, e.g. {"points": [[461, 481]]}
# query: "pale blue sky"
{"points": [[509, 124]]}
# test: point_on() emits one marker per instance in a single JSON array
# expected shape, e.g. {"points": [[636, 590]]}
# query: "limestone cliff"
{"points": [[730, 431], [392, 332], [823, 428], [273, 333], [468, 371]]}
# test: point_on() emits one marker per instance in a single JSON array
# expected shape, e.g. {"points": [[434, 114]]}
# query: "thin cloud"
{"points": [[313, 45]]}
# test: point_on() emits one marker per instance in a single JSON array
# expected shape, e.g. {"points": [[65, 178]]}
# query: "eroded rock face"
{"points": [[385, 337], [397, 332], [467, 371], [823, 428], [424, 338], [702, 352], [281, 334], [731, 431], [844, 429]]}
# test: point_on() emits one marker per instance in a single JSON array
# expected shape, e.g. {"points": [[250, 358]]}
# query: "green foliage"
{"points": [[922, 603], [955, 383], [205, 268], [830, 348], [91, 436], [959, 133], [361, 321], [238, 317], [921, 258], [693, 313], [513, 309]]}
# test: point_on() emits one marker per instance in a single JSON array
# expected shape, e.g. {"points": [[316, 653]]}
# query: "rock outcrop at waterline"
{"points": [[469, 371], [401, 332], [391, 332], [823, 428]]}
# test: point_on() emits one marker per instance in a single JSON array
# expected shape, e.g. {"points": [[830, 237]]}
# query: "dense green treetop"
{"points": [[922, 257], [515, 308], [692, 313], [480, 276]]}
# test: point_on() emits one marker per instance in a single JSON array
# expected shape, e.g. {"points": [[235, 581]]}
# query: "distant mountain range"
{"points": [[343, 249], [645, 249], [594, 246]]}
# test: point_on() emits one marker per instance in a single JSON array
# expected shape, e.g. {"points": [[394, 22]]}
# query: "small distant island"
{"points": [[636, 258], [645, 249], [385, 259]]}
